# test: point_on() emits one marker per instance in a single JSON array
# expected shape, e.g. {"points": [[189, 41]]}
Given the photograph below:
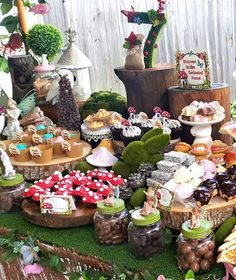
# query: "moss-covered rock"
{"points": [[108, 100], [151, 133], [154, 158], [84, 166], [134, 168], [135, 153], [138, 197], [157, 143], [121, 168]]}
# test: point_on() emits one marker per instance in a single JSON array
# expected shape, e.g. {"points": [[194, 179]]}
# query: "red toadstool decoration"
{"points": [[165, 114], [183, 76], [131, 110], [125, 122]]}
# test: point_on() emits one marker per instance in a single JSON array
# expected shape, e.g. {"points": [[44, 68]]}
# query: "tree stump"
{"points": [[21, 69], [179, 98], [148, 88]]}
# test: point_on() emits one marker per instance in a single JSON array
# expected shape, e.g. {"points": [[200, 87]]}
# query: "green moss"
{"points": [[118, 254], [108, 100], [154, 158], [121, 168], [151, 133], [84, 166], [135, 153], [138, 197], [134, 168], [225, 229], [157, 143]]}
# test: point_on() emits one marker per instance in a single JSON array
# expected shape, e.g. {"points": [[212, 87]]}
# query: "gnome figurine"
{"points": [[9, 172], [134, 58]]}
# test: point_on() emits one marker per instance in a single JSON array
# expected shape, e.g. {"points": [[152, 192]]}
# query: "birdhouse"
{"points": [[75, 61]]}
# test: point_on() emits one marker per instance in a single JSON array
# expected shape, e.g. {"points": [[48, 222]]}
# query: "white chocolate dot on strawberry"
{"points": [[87, 189], [96, 197], [61, 189], [90, 193], [90, 178], [101, 189], [36, 194], [40, 180], [98, 184], [84, 198], [26, 190]]}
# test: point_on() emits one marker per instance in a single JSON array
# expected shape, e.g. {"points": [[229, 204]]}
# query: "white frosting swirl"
{"points": [[147, 123], [131, 131], [118, 125], [173, 123]]}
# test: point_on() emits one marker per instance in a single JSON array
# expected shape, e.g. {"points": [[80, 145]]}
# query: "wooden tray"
{"points": [[216, 212], [82, 216], [34, 171]]}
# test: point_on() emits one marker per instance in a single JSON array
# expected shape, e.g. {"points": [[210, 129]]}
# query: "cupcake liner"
{"points": [[41, 154], [128, 140]]}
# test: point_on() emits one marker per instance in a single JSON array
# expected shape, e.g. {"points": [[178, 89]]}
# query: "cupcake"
{"points": [[41, 154], [20, 152], [91, 199], [56, 144], [130, 134], [175, 127], [116, 130], [147, 125], [136, 119], [73, 149]]}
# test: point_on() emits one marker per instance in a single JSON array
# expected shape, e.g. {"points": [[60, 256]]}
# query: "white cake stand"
{"points": [[202, 130]]}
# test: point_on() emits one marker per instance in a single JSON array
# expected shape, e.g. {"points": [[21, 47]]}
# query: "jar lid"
{"points": [[119, 205], [203, 231], [44, 68], [140, 220]]}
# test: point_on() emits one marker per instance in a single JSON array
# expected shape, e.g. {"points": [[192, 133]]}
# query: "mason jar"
{"points": [[145, 234], [195, 247], [111, 222]]}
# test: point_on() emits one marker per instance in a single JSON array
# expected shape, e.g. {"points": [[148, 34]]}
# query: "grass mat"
{"points": [[82, 239]]}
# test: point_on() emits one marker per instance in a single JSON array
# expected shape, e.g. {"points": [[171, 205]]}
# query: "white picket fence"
{"points": [[195, 24]]}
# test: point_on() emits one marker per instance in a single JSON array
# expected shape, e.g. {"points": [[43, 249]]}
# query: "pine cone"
{"points": [[146, 169], [125, 191], [136, 180]]}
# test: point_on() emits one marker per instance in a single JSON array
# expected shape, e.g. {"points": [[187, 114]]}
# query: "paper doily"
{"points": [[96, 135]]}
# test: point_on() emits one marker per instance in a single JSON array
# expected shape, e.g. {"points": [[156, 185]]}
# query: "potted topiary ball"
{"points": [[44, 39]]}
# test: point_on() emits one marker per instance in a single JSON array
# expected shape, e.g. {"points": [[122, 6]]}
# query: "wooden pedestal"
{"points": [[82, 216], [179, 98], [148, 88]]}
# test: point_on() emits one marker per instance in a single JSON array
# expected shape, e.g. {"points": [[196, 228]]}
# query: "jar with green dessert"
{"points": [[195, 247], [145, 234], [111, 222]]}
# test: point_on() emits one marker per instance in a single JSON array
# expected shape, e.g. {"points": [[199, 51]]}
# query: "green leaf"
{"points": [[74, 276], [190, 275], [152, 14], [126, 45], [9, 256], [10, 23], [6, 7], [136, 277], [85, 276], [138, 42], [168, 236], [4, 68]]}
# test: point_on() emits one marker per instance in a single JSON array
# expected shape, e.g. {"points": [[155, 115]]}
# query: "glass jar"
{"points": [[111, 222], [195, 247], [145, 235], [43, 76]]}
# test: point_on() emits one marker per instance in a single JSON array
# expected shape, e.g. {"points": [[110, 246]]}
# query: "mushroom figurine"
{"points": [[183, 76], [157, 110], [125, 122], [165, 115], [131, 111]]}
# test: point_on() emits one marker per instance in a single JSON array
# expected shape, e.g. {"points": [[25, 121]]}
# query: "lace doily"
{"points": [[95, 135]]}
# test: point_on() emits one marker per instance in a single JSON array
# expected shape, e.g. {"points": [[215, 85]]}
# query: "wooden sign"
{"points": [[193, 70]]}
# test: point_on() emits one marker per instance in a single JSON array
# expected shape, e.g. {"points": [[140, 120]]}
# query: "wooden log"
{"points": [[216, 212], [81, 216], [148, 88], [179, 98], [21, 69]]}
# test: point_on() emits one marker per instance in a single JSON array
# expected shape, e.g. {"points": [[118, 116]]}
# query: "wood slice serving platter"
{"points": [[82, 216], [34, 171], [216, 212]]}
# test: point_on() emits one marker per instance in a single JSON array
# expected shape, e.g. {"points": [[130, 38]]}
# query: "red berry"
{"points": [[155, 46], [148, 42], [154, 34], [145, 53]]}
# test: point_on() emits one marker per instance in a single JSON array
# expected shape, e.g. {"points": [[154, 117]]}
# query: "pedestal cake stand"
{"points": [[202, 130]]}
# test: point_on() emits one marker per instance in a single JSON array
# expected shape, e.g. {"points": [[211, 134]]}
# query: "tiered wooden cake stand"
{"points": [[34, 171]]}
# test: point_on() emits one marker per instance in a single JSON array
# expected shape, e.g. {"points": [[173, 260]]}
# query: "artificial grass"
{"points": [[82, 239]]}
